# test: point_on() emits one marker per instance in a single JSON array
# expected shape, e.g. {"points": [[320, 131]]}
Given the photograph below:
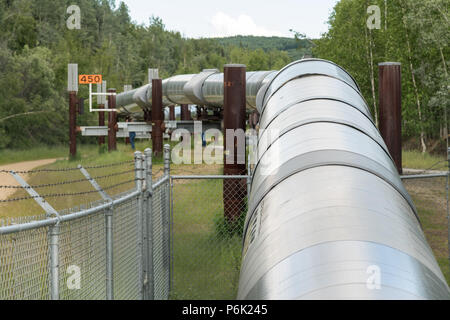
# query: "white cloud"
{"points": [[225, 25]]}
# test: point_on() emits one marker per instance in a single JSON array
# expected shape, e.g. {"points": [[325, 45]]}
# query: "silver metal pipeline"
{"points": [[204, 88], [329, 217]]}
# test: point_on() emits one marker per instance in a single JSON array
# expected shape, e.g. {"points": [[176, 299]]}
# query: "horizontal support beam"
{"points": [[423, 176], [143, 129]]}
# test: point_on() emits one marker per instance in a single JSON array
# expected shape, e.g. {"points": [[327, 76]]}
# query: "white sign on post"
{"points": [[101, 99], [152, 74], [72, 77]]}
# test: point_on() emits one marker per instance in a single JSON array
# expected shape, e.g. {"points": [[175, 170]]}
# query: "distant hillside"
{"points": [[295, 48]]}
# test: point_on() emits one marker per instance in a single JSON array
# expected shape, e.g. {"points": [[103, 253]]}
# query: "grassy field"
{"points": [[416, 160], [36, 153], [89, 156]]}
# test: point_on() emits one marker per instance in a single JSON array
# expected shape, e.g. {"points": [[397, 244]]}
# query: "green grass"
{"points": [[36, 153], [207, 256], [430, 200], [86, 151], [416, 160]]}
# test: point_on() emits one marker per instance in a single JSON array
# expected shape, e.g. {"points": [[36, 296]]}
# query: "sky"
{"points": [[213, 18]]}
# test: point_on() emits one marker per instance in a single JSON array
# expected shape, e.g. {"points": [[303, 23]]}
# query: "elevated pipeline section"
{"points": [[328, 215], [204, 89]]}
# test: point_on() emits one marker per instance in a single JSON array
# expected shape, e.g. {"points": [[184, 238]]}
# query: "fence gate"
{"points": [[206, 246]]}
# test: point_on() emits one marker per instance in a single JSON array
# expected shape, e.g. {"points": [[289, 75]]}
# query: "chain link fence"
{"points": [[429, 191], [115, 247], [208, 214]]}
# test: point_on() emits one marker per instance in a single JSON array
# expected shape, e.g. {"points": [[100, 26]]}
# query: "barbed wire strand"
{"points": [[69, 169], [55, 195], [69, 181]]}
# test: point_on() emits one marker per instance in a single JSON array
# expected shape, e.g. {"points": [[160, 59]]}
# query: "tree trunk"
{"points": [[416, 91], [445, 107], [372, 79]]}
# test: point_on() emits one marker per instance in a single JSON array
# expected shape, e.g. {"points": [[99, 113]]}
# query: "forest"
{"points": [[36, 46], [412, 32]]}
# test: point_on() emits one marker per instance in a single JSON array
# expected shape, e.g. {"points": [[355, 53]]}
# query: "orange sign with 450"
{"points": [[89, 78]]}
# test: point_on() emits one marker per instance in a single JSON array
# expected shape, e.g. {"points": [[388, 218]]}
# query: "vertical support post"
{"points": [[142, 229], [390, 96], [72, 88], [171, 235], [185, 115], [234, 190], [157, 117], [54, 261], [72, 123], [166, 216], [109, 254], [112, 122], [149, 221], [172, 113]]}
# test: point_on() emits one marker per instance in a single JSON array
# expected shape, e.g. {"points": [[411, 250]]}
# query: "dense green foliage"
{"points": [[415, 33], [36, 46], [295, 48]]}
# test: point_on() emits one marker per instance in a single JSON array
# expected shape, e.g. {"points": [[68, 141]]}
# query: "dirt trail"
{"points": [[8, 180]]}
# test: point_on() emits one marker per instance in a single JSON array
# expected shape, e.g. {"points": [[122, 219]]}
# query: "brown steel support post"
{"points": [[157, 117], [72, 124], [112, 122], [185, 112], [101, 123], [390, 96], [172, 113], [234, 190]]}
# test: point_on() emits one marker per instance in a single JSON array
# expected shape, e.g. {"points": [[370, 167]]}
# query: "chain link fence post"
{"points": [[165, 200], [149, 292], [109, 253], [53, 232], [139, 175]]}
